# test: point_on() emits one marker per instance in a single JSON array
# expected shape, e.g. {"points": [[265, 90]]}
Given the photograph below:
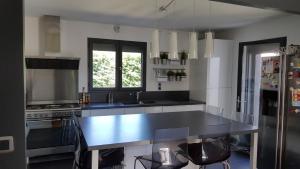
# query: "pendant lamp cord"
{"points": [[194, 14], [210, 17], [157, 18]]}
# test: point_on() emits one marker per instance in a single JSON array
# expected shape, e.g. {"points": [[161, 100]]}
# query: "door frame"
{"points": [[281, 40], [12, 100]]}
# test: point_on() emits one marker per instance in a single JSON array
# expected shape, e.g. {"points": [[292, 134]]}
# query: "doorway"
{"points": [[257, 95]]}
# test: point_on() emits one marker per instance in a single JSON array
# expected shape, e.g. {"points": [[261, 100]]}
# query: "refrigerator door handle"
{"points": [[281, 111]]}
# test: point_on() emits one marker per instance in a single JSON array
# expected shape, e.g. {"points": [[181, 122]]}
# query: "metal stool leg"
{"points": [[226, 164], [135, 163]]}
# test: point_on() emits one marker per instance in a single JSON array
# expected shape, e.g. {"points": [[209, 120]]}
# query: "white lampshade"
{"points": [[154, 51], [173, 49], [193, 51], [209, 45]]}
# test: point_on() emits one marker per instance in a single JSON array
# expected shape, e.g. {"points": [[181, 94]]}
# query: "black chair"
{"points": [[209, 151], [108, 158], [166, 153]]}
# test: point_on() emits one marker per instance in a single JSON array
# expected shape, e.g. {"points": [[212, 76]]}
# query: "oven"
{"points": [[50, 133]]}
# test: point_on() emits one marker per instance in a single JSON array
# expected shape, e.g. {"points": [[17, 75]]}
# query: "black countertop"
{"points": [[138, 129], [143, 104]]}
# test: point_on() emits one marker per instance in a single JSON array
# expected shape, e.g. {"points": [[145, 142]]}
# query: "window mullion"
{"points": [[119, 66]]}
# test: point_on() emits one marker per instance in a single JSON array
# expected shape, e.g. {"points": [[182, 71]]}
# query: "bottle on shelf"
{"points": [[85, 97], [297, 111]]}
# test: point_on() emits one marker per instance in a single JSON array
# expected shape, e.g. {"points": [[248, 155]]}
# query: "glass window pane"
{"points": [[131, 69], [104, 69]]}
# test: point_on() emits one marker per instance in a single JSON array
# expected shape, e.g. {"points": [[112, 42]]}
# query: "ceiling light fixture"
{"points": [[193, 50], [154, 53], [173, 48], [209, 39], [154, 44]]}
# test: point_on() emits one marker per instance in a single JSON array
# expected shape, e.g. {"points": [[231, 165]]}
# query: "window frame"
{"points": [[118, 45]]}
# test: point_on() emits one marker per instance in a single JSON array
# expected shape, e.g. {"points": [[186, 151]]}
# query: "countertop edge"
{"points": [[94, 106]]}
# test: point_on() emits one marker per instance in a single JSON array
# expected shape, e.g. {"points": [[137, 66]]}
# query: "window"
{"points": [[116, 65]]}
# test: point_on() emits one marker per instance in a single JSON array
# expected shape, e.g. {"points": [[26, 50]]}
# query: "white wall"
{"points": [[284, 26], [74, 36]]}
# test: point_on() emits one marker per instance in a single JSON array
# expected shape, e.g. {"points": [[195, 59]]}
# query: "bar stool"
{"points": [[166, 153], [108, 158], [210, 151]]}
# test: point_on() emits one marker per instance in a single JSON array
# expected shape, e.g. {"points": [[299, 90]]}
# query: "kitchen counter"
{"points": [[136, 129], [93, 106], [104, 132]]}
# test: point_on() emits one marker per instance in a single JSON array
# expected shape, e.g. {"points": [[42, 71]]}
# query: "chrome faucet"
{"points": [[138, 96], [110, 98]]}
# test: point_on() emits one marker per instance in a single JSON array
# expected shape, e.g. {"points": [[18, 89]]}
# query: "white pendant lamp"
{"points": [[209, 39], [209, 45], [173, 49], [193, 50], [154, 52]]}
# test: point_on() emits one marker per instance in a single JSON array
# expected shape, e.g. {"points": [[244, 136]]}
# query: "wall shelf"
{"points": [[161, 74]]}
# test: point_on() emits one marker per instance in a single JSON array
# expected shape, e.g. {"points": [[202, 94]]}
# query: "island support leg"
{"points": [[253, 151], [95, 159]]}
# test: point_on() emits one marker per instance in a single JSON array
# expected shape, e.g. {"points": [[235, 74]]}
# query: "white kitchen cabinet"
{"points": [[85, 113], [156, 109], [211, 79], [138, 110], [196, 107], [106, 112], [134, 110]]}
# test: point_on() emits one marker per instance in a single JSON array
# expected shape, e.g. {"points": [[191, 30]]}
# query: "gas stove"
{"points": [[52, 110]]}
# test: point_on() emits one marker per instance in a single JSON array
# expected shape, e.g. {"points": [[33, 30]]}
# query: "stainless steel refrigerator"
{"points": [[270, 99], [288, 152]]}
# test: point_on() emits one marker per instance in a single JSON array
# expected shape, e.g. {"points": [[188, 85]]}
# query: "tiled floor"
{"points": [[237, 160]]}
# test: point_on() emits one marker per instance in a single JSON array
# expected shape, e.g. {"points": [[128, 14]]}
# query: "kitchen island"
{"points": [[114, 131]]}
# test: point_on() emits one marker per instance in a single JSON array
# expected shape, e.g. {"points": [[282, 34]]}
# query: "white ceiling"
{"points": [[144, 13]]}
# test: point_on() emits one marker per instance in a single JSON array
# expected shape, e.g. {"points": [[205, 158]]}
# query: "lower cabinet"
{"points": [[135, 110], [85, 113], [197, 107], [156, 109], [106, 112]]}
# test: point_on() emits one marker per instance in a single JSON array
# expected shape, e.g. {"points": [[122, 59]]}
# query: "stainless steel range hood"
{"points": [[50, 77], [49, 36]]}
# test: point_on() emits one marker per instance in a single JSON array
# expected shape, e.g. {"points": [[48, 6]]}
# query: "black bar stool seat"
{"points": [[209, 151]]}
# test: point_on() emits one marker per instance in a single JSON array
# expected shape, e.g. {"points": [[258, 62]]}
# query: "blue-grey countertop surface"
{"points": [[141, 104], [102, 132]]}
